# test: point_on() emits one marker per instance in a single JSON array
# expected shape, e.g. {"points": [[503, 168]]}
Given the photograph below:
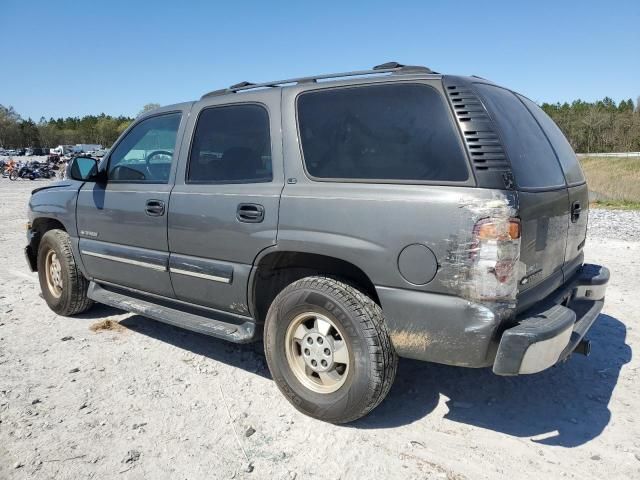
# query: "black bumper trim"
{"points": [[550, 332], [589, 313], [31, 258]]}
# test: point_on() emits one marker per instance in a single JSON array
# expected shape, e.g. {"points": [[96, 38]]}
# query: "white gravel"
{"points": [[151, 401], [615, 224]]}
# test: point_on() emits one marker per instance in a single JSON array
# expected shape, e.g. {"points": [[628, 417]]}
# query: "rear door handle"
{"points": [[575, 212], [154, 208], [250, 213]]}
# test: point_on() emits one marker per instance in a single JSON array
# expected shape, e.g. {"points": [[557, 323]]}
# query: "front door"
{"points": [[122, 223], [224, 206]]}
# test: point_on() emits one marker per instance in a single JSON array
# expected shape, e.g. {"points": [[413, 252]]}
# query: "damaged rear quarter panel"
{"points": [[440, 322], [459, 330]]}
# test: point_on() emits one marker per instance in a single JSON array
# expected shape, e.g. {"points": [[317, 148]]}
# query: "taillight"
{"points": [[495, 255], [497, 229]]}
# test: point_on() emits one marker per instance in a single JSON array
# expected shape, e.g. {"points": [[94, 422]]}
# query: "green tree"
{"points": [[9, 129], [29, 135], [107, 130]]}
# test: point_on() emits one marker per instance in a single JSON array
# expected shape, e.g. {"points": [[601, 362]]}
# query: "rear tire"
{"points": [[328, 349], [13, 175], [63, 286]]}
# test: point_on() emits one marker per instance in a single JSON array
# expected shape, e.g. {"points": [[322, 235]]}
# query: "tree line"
{"points": [[600, 126], [16, 132]]}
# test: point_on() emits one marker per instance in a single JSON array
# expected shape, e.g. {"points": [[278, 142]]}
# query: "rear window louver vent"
{"points": [[480, 138]]}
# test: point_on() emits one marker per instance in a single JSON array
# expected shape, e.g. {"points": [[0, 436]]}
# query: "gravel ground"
{"points": [[615, 224], [115, 395]]}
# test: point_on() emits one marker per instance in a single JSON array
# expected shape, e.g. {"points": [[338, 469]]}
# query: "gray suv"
{"points": [[346, 219]]}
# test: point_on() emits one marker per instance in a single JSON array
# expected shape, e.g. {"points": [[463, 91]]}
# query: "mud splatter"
{"points": [[406, 340], [106, 325]]}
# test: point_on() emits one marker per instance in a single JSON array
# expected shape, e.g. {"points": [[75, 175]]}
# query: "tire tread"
{"points": [[384, 361], [78, 301]]}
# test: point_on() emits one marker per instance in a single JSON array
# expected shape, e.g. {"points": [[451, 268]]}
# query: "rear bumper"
{"points": [[549, 332]]}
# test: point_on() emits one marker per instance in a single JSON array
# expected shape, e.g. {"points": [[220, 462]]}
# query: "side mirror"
{"points": [[84, 169]]}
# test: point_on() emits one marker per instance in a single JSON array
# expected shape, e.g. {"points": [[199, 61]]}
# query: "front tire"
{"points": [[328, 349], [63, 286]]}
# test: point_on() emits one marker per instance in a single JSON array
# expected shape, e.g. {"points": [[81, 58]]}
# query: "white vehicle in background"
{"points": [[67, 150], [62, 150], [86, 147]]}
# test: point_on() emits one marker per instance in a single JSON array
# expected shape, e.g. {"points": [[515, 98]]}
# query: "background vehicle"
{"points": [[31, 171], [62, 150], [450, 229], [86, 147], [35, 151], [44, 169], [8, 167]]}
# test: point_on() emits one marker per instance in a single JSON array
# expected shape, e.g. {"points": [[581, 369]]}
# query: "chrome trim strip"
{"points": [[153, 266], [200, 275]]}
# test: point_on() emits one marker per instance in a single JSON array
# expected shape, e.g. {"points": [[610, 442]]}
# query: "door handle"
{"points": [[575, 212], [154, 208], [250, 213]]}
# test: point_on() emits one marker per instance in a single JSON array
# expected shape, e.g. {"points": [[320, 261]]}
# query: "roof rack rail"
{"points": [[398, 67], [389, 67]]}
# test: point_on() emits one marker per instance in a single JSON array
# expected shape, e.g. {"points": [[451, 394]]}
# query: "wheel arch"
{"points": [[37, 229], [274, 269]]}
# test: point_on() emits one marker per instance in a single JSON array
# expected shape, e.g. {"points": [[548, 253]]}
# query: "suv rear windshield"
{"points": [[566, 155], [533, 161], [380, 132]]}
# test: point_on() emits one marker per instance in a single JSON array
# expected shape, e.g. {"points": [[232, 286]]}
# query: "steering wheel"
{"points": [[152, 155], [156, 153]]}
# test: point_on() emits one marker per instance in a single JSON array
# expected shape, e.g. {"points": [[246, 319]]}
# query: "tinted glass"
{"points": [[83, 168], [146, 153], [381, 132], [231, 145], [532, 159], [568, 160]]}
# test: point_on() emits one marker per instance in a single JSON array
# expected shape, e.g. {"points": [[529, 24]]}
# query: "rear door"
{"points": [[123, 223], [224, 207], [577, 187], [542, 192]]}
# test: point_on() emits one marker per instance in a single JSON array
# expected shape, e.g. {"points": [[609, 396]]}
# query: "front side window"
{"points": [[146, 153], [231, 144], [380, 132]]}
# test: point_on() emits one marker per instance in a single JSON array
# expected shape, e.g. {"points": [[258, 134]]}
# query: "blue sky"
{"points": [[60, 58]]}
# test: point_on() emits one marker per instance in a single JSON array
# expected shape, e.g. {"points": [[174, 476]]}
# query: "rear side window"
{"points": [[380, 132], [532, 159], [566, 155], [231, 145]]}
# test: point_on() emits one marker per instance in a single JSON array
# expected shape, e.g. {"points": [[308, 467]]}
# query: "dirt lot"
{"points": [[114, 395]]}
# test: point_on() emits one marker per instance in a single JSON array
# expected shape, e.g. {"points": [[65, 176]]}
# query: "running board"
{"points": [[229, 327]]}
